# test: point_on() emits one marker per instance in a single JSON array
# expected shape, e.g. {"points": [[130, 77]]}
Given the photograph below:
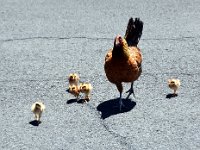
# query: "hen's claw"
{"points": [[121, 104], [130, 91]]}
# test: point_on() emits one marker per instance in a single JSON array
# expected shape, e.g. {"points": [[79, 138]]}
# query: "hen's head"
{"points": [[120, 41]]}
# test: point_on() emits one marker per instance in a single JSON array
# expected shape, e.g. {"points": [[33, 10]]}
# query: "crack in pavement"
{"points": [[173, 39], [155, 75], [61, 79], [56, 38], [95, 38], [32, 80], [121, 139]]}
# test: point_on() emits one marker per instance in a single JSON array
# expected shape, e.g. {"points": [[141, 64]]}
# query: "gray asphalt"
{"points": [[43, 41]]}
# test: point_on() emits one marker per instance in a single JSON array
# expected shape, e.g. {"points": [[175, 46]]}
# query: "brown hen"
{"points": [[123, 61]]}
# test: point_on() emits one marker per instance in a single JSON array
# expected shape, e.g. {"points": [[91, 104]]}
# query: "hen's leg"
{"points": [[120, 102], [130, 91], [120, 89]]}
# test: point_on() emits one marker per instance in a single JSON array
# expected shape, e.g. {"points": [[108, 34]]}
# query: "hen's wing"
{"points": [[123, 70]]}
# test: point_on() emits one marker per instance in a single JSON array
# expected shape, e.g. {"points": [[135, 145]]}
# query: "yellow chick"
{"points": [[86, 88], [37, 108], [73, 79], [174, 84], [74, 90]]}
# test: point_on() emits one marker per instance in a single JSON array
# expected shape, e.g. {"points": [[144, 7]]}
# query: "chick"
{"points": [[174, 84], [73, 79], [74, 90], [86, 88], [37, 108]]}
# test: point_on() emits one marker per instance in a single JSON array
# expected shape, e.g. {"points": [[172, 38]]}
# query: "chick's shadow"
{"points": [[111, 107], [35, 123], [80, 101], [71, 101], [171, 95]]}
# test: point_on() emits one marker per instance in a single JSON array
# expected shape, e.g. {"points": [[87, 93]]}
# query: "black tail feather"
{"points": [[134, 31]]}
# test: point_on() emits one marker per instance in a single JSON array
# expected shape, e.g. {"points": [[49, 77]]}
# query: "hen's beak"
{"points": [[118, 40]]}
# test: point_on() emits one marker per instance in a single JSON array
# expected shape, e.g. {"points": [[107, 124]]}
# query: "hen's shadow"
{"points": [[111, 107], [35, 123], [171, 95]]}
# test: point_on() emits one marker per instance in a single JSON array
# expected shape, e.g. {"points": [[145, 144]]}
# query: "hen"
{"points": [[123, 61]]}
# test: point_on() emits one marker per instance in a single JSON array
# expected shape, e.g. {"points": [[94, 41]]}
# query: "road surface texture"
{"points": [[43, 41]]}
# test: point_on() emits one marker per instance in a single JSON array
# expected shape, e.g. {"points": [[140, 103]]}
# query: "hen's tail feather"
{"points": [[134, 31]]}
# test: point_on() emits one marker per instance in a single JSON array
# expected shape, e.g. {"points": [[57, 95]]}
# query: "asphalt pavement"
{"points": [[43, 41]]}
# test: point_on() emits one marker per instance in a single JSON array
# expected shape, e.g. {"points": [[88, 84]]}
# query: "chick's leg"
{"points": [[130, 91], [120, 89], [37, 116], [77, 97], [40, 114], [175, 94], [87, 97]]}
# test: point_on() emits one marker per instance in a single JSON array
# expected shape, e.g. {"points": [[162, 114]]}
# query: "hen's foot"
{"points": [[130, 91], [120, 105]]}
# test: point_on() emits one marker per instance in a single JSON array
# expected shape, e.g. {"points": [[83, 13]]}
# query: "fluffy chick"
{"points": [[174, 84], [73, 79], [37, 108], [74, 90], [86, 88]]}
